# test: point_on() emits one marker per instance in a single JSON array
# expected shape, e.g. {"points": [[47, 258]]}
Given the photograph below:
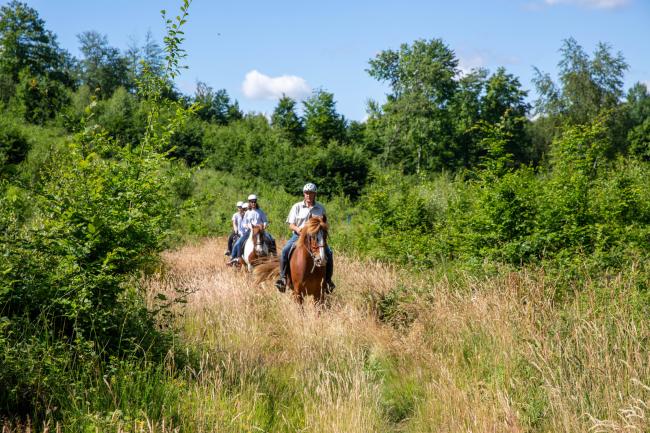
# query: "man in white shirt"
{"points": [[236, 229], [253, 216], [298, 216]]}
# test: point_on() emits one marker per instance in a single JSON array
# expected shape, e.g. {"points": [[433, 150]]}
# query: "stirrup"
{"points": [[281, 284]]}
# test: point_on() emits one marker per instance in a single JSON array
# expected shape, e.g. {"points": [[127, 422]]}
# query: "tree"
{"points": [[504, 105], [417, 127], [322, 122], [103, 68], [467, 110], [39, 98], [638, 104], [586, 86], [428, 68], [638, 112], [214, 106], [150, 53], [25, 43], [286, 120]]}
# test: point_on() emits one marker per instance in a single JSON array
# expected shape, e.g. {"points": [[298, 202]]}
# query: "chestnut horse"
{"points": [[307, 263]]}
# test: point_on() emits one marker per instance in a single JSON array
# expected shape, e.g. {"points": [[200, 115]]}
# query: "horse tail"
{"points": [[268, 269]]}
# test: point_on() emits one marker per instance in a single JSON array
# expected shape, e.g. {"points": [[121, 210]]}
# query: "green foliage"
{"points": [[27, 45], [287, 122], [338, 169], [251, 149], [433, 119], [122, 117], [639, 138], [13, 145], [584, 203], [39, 98], [322, 122], [187, 142], [587, 86], [215, 107], [103, 68], [69, 261]]}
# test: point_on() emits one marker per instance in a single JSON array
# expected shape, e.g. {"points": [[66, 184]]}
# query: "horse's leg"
{"points": [[297, 295]]}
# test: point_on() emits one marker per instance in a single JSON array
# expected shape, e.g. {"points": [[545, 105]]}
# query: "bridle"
{"points": [[321, 259], [258, 240]]}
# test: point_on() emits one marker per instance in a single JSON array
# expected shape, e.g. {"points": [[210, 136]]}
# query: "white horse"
{"points": [[255, 247]]}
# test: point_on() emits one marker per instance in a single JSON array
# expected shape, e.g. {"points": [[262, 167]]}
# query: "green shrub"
{"points": [[14, 145], [39, 98]]}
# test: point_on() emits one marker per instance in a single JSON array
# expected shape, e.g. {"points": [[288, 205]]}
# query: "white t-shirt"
{"points": [[300, 213], [237, 219], [253, 217]]}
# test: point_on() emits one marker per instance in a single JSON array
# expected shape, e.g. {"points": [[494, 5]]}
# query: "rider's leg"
{"points": [[239, 246], [329, 269], [284, 259], [230, 241]]}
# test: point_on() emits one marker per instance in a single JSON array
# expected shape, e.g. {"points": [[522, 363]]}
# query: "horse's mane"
{"points": [[311, 227]]}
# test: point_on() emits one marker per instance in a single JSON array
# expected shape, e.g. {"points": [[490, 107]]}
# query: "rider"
{"points": [[253, 216], [236, 229], [298, 216]]}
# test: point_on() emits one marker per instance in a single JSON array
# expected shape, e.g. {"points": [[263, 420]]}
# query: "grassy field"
{"points": [[393, 352]]}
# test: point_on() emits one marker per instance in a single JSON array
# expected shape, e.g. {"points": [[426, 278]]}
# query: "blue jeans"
{"points": [[284, 259], [238, 249]]}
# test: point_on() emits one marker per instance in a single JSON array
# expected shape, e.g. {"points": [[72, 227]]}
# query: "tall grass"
{"points": [[392, 352], [472, 354]]}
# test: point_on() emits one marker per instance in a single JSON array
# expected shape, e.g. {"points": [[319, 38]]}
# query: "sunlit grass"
{"points": [[391, 352]]}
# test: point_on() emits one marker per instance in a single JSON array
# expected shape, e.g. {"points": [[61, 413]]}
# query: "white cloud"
{"points": [[467, 63], [259, 86], [596, 4]]}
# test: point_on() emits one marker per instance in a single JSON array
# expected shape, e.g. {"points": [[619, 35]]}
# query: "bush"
{"points": [[337, 170], [13, 145], [122, 117], [39, 98]]}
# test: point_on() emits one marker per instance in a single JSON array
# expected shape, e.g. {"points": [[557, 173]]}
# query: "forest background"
{"points": [[454, 178]]}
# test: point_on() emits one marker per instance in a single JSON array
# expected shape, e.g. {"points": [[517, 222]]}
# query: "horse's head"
{"points": [[314, 234], [258, 238]]}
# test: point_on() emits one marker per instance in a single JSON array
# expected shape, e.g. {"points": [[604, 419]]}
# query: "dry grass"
{"points": [[490, 355], [473, 355]]}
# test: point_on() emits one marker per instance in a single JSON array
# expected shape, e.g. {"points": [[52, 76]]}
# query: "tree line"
{"points": [[435, 118]]}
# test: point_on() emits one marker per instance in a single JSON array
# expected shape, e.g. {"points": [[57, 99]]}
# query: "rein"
{"points": [[321, 244]]}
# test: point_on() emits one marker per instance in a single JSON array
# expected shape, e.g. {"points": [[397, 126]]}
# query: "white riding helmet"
{"points": [[252, 197], [240, 203], [310, 187], [244, 206]]}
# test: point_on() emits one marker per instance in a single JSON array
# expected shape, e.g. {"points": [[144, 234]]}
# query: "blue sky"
{"points": [[258, 50]]}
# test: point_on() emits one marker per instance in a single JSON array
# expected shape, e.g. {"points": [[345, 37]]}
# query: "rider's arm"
{"points": [[291, 219], [264, 220]]}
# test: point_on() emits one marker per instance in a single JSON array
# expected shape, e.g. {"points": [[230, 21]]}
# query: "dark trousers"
{"points": [[234, 236]]}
